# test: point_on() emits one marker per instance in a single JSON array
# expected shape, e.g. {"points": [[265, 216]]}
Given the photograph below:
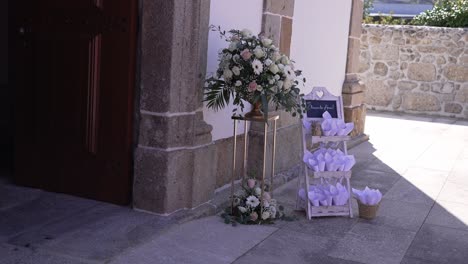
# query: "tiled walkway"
{"points": [[420, 164]]}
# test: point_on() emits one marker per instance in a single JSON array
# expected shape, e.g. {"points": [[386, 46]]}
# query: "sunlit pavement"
{"points": [[419, 163]]}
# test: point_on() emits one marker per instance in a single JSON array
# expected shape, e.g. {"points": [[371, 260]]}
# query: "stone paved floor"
{"points": [[420, 164]]}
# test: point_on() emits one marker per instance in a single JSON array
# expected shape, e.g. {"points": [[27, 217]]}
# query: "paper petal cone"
{"points": [[321, 165], [307, 125], [349, 163], [326, 115], [301, 194]]}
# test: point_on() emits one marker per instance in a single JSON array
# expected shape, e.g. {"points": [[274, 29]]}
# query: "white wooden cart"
{"points": [[319, 101]]}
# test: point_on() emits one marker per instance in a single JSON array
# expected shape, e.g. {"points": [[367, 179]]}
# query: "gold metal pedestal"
{"points": [[236, 119]]}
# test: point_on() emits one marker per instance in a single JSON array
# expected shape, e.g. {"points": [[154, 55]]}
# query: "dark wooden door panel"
{"points": [[74, 120]]}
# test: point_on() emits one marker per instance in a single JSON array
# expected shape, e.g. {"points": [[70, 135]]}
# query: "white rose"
{"points": [[277, 77], [281, 67], [246, 33], [266, 42], [276, 56], [236, 58], [258, 191], [258, 52], [271, 81], [274, 68], [227, 74], [268, 62], [273, 211], [285, 60], [238, 83], [287, 85], [228, 57], [233, 46], [259, 88], [289, 73], [273, 202], [242, 209], [236, 70], [280, 84], [265, 215]]}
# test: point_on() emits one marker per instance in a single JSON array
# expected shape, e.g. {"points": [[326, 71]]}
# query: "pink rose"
{"points": [[266, 196], [252, 86], [251, 183], [253, 216], [246, 54]]}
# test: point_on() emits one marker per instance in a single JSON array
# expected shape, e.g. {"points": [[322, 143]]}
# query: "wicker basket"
{"points": [[367, 211]]}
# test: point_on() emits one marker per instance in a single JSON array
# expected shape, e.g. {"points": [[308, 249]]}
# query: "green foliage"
{"points": [[368, 5], [384, 20], [445, 13]]}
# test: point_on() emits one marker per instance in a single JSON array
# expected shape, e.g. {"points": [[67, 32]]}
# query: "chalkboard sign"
{"points": [[320, 100], [316, 108]]}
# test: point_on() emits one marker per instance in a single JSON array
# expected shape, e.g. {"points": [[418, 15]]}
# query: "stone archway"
{"points": [[174, 153]]}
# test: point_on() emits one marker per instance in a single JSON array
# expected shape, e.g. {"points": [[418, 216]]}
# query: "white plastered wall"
{"points": [[228, 15], [320, 42]]}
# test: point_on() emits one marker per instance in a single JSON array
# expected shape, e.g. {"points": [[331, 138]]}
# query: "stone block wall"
{"points": [[415, 69]]}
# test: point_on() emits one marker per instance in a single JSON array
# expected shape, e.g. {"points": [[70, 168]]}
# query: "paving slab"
{"points": [[459, 173], [440, 244], [371, 244], [376, 179], [334, 227], [11, 195], [422, 176], [452, 192], [408, 216], [207, 240], [286, 246], [363, 152], [98, 239], [406, 192], [10, 254], [48, 207], [388, 165], [409, 260], [448, 214]]}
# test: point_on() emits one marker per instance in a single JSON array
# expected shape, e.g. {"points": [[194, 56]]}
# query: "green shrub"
{"points": [[384, 20], [368, 5], [445, 13]]}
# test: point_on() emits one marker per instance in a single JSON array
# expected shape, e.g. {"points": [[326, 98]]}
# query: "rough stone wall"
{"points": [[415, 69]]}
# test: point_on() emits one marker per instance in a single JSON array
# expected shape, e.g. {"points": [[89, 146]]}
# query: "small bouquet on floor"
{"points": [[250, 207]]}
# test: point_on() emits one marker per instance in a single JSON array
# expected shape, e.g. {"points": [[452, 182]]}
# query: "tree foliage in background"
{"points": [[445, 13], [368, 5]]}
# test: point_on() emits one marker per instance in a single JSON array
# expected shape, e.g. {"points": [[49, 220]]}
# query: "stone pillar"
{"points": [[277, 22], [277, 25], [353, 88], [174, 158]]}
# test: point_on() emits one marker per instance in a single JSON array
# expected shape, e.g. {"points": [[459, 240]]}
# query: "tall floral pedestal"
{"points": [[247, 120]]}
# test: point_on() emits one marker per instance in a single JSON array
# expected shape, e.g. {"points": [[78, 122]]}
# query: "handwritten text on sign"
{"points": [[316, 108]]}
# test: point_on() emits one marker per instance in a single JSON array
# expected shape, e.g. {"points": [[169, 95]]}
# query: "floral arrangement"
{"points": [[252, 69], [249, 208]]}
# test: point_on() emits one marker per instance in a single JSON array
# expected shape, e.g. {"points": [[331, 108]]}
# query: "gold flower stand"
{"points": [[247, 120]]}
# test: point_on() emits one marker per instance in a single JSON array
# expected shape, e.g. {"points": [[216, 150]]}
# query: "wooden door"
{"points": [[74, 68]]}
